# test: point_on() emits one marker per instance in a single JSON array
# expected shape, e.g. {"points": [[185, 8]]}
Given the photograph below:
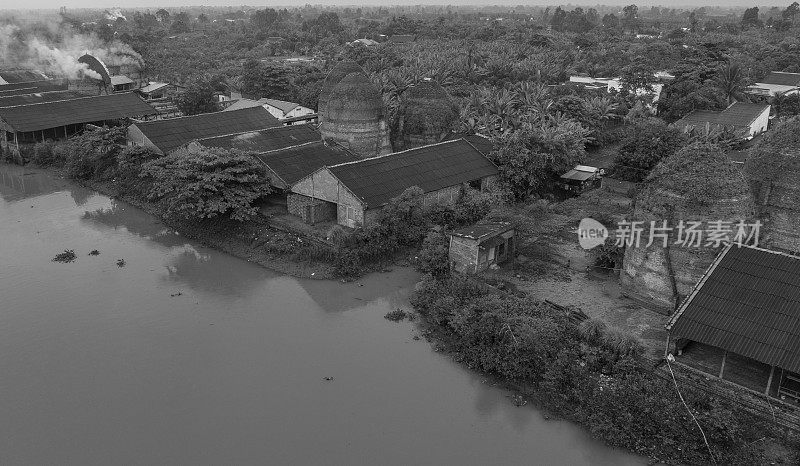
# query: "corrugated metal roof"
{"points": [[27, 99], [281, 105], [738, 115], [749, 304], [266, 139], [32, 87], [295, 163], [377, 180], [481, 231], [47, 115], [120, 79], [172, 133], [782, 79], [20, 76]]}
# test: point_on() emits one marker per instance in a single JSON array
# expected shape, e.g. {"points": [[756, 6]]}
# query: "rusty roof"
{"points": [[748, 303], [437, 166], [169, 134], [45, 115]]}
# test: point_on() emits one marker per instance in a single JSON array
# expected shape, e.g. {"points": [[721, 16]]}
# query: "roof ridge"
{"points": [[67, 100], [287, 147], [186, 117], [403, 151], [672, 320], [245, 132]]}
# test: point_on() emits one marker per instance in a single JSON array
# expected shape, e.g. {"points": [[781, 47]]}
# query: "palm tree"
{"points": [[731, 80]]}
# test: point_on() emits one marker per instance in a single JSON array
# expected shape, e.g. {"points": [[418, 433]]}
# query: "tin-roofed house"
{"points": [[581, 178], [741, 322], [476, 248], [121, 83], [776, 82], [744, 120], [358, 190]]}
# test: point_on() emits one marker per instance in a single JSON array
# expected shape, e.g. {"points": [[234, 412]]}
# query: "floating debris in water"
{"points": [[396, 316], [94, 252], [327, 378], [120, 262], [67, 256], [175, 294]]}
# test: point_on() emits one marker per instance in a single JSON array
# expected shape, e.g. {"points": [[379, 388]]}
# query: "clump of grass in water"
{"points": [[120, 262], [67, 256], [94, 252], [396, 316]]}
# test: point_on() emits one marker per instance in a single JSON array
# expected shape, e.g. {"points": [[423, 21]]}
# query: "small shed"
{"points": [[581, 178], [475, 248]]}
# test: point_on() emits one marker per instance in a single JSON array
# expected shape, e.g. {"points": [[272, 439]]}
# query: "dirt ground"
{"points": [[551, 264]]}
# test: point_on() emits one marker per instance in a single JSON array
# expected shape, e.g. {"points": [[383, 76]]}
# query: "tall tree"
{"points": [[750, 18], [266, 80], [199, 97]]}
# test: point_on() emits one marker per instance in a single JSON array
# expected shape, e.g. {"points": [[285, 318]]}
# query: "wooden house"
{"points": [[476, 248]]}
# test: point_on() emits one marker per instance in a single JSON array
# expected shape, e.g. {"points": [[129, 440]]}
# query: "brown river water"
{"points": [[190, 356]]}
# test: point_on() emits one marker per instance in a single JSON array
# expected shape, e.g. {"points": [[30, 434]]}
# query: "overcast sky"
{"points": [[55, 4]]}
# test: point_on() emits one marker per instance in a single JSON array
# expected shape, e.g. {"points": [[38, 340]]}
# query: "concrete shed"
{"points": [[475, 248]]}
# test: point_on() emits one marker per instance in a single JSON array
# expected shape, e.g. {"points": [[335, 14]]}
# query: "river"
{"points": [[186, 355]]}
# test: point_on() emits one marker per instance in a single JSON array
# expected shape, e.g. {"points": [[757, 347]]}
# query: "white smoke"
{"points": [[59, 58]]}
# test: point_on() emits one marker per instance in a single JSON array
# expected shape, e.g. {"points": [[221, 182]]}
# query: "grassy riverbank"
{"points": [[591, 375]]}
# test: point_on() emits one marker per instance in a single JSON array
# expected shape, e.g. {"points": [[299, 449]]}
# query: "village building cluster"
{"points": [[738, 312]]}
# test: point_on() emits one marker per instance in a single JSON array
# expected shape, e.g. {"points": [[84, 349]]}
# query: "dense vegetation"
{"points": [[585, 372]]}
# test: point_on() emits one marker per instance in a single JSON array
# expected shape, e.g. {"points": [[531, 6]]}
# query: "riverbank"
{"points": [[591, 375], [253, 240]]}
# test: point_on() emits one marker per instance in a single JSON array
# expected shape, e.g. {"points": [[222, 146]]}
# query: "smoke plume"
{"points": [[55, 49]]}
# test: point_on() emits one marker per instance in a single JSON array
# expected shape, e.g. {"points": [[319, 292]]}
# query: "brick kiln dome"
{"points": [[426, 115], [355, 117], [698, 183], [342, 69], [773, 167]]}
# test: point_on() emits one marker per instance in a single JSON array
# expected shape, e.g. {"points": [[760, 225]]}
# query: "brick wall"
{"points": [[309, 209], [323, 185], [463, 255]]}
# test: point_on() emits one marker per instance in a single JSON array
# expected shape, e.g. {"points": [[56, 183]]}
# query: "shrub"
{"points": [[129, 168], [592, 330], [433, 257], [44, 154]]}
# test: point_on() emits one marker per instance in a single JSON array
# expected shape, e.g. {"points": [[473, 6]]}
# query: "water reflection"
{"points": [[123, 215], [17, 183], [339, 297], [213, 273]]}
